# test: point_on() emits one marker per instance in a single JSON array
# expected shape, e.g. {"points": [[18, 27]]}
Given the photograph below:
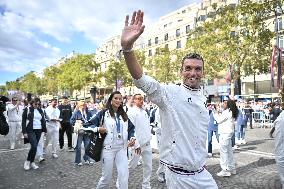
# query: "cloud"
{"points": [[32, 30]]}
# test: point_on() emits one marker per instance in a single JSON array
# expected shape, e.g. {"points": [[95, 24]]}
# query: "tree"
{"points": [[77, 72], [50, 79], [235, 39], [162, 67], [30, 83]]}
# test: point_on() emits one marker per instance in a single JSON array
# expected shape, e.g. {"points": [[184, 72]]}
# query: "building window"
{"points": [[156, 40], [202, 18], [187, 29], [150, 52], [149, 42], [233, 33], [177, 32], [278, 24], [166, 37], [166, 46], [165, 25], [183, 11], [180, 20], [280, 44], [178, 44]]}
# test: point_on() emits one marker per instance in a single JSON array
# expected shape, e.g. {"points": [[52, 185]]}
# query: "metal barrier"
{"points": [[261, 119]]}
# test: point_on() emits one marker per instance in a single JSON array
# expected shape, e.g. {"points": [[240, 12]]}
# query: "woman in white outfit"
{"points": [[226, 130], [119, 130]]}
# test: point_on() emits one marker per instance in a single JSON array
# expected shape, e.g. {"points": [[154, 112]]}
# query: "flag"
{"points": [[279, 69]]}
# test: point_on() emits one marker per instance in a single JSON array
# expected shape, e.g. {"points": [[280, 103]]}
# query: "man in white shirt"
{"points": [[184, 116], [279, 145], [141, 120], [52, 126], [14, 112]]}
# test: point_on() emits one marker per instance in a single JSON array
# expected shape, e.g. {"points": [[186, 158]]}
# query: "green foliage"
{"points": [[238, 36], [77, 72], [162, 67], [117, 69], [30, 83], [50, 79]]}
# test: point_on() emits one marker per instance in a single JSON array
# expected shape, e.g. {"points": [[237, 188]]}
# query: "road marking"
{"points": [[258, 153], [18, 149]]}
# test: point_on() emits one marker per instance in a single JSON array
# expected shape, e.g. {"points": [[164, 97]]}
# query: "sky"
{"points": [[35, 34]]}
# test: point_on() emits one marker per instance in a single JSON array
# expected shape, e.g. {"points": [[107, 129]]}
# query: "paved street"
{"points": [[255, 168]]}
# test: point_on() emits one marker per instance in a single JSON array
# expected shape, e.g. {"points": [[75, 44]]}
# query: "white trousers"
{"points": [[279, 149], [53, 136], [39, 151], [117, 155], [146, 154], [227, 160], [161, 169], [15, 129], [203, 180]]}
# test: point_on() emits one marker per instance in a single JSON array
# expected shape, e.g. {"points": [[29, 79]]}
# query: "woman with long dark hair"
{"points": [[120, 133], [226, 123], [33, 124]]}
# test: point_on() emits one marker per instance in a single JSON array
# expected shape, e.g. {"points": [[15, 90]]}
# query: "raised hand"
{"points": [[132, 30]]}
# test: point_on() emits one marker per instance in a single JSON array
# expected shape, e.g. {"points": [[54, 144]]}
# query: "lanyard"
{"points": [[117, 124], [84, 116]]}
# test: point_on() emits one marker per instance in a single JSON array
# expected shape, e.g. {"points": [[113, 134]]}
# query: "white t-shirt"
{"points": [[36, 120]]}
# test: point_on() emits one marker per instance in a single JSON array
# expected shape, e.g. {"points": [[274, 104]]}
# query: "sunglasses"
{"points": [[37, 104]]}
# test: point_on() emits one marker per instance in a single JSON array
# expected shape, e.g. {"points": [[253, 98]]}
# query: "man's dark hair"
{"points": [[54, 99], [35, 100], [192, 56], [64, 97]]}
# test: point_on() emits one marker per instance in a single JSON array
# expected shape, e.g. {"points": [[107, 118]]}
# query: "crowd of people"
{"points": [[177, 114]]}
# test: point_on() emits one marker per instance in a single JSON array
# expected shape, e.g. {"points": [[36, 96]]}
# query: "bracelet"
{"points": [[126, 50]]}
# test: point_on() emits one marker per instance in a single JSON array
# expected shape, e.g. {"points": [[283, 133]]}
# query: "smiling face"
{"points": [[116, 101], [192, 72], [138, 100]]}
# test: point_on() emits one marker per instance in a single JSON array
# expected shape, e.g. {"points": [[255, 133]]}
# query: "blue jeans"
{"points": [[33, 137], [210, 135], [81, 138]]}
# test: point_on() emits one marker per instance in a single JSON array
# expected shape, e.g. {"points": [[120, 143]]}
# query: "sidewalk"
{"points": [[255, 168]]}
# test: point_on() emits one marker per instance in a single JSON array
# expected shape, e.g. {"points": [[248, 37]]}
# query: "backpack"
{"points": [[4, 127]]}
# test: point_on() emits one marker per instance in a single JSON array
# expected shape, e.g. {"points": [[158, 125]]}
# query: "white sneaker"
{"points": [[79, 164], [54, 155], [243, 141], [88, 162], [210, 154], [41, 159], [161, 178], [233, 171], [12, 146], [235, 147], [34, 166], [224, 174], [139, 163], [27, 165]]}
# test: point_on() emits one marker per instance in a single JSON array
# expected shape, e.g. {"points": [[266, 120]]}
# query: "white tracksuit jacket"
{"points": [[184, 122]]}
